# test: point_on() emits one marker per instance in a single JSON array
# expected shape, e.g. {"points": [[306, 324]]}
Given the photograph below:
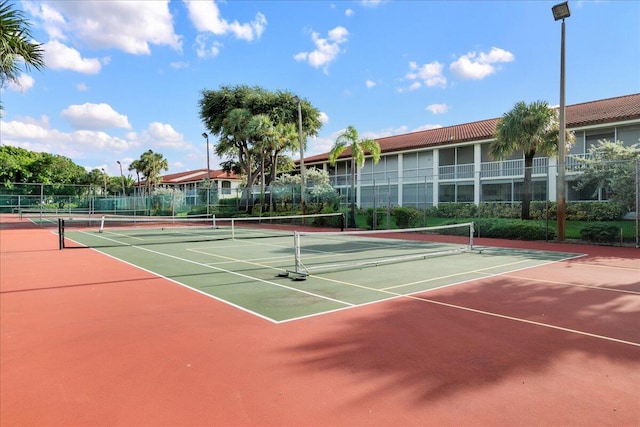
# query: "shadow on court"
{"points": [[432, 352]]}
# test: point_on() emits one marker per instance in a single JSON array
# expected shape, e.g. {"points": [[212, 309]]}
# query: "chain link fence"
{"points": [[455, 191]]}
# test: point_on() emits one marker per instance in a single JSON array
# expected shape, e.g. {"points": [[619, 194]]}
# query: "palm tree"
{"points": [[532, 129], [153, 164], [349, 139], [136, 165], [260, 130], [16, 45]]}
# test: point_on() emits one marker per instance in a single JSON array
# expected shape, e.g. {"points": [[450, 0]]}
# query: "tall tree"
{"points": [[532, 129], [260, 130], [136, 166], [16, 45], [219, 112], [285, 138], [611, 166], [151, 165], [349, 139]]}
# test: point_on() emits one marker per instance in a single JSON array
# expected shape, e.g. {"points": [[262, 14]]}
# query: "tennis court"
{"points": [[214, 332], [254, 267]]}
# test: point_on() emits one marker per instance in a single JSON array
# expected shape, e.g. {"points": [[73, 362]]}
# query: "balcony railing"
{"points": [[456, 171], [498, 169], [512, 168]]}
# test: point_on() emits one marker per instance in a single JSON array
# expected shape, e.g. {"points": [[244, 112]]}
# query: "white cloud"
{"points": [[349, 12], [438, 108], [177, 65], [371, 3], [95, 116], [474, 66], [203, 49], [24, 83], [161, 135], [327, 49], [370, 83], [82, 87], [429, 74], [130, 26], [35, 135], [205, 16], [426, 127], [323, 117], [57, 56]]}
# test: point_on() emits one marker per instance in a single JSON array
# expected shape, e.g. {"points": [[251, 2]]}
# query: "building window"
{"points": [[226, 187], [455, 192]]}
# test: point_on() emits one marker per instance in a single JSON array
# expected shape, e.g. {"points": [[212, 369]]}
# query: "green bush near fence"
{"points": [[600, 233], [407, 217], [575, 211], [516, 229]]}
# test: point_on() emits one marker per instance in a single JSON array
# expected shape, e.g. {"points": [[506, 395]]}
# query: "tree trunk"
{"points": [[352, 216], [526, 186]]}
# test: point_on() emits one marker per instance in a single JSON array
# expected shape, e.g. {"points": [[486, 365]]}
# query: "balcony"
{"points": [[512, 168]]}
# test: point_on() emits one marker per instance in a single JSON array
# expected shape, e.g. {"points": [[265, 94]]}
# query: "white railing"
{"points": [[498, 169]]}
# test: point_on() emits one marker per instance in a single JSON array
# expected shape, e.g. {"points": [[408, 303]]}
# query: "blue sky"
{"points": [[124, 77]]}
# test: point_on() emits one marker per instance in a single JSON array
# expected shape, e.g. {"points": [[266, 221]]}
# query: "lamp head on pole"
{"points": [[561, 11], [296, 99], [204, 135]]}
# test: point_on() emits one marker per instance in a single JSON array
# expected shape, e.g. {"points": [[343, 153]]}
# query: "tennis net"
{"points": [[135, 231], [317, 252]]}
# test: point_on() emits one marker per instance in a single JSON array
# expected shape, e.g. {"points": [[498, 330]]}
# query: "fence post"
{"points": [[637, 200]]}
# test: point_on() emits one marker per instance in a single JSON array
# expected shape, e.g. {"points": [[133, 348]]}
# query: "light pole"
{"points": [[302, 181], [124, 193], [561, 11], [206, 136], [104, 179]]}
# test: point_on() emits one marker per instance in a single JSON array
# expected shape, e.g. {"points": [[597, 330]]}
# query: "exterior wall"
{"points": [[466, 173]]}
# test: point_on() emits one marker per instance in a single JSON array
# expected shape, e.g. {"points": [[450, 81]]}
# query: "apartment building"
{"points": [[452, 164]]}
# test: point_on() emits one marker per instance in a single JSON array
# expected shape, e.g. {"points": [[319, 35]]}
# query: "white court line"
{"points": [[577, 285], [393, 296], [235, 273], [530, 322], [246, 310]]}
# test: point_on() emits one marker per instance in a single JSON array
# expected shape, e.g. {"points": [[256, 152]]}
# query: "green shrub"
{"points": [[600, 233], [381, 216], [500, 210], [453, 210], [407, 217], [337, 222], [512, 229], [595, 211]]}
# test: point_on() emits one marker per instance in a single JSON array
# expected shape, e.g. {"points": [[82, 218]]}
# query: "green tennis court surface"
{"points": [[247, 272]]}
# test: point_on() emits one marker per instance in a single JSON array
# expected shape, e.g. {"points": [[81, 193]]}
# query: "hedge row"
{"points": [[575, 211]]}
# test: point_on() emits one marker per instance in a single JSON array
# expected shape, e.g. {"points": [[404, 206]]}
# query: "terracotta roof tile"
{"points": [[196, 175], [589, 113]]}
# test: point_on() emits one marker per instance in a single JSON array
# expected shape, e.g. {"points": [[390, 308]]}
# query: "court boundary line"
{"points": [[577, 285], [414, 296], [395, 295], [411, 296], [268, 282], [161, 276], [531, 322]]}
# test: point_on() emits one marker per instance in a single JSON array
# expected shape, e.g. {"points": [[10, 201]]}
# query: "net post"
{"points": [[60, 233], [233, 229], [101, 224], [471, 233], [343, 220], [296, 246]]}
